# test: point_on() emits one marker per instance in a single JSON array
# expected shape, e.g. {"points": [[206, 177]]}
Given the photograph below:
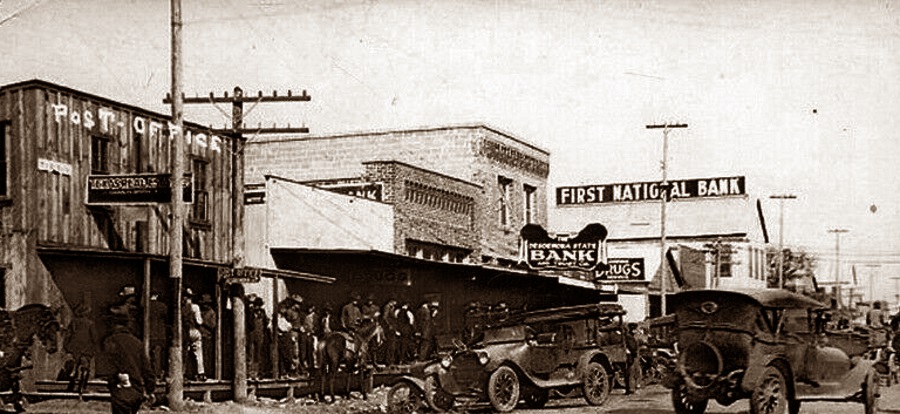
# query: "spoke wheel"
{"points": [[404, 398], [536, 397], [436, 398], [596, 384], [503, 389], [770, 395], [683, 404], [870, 388]]}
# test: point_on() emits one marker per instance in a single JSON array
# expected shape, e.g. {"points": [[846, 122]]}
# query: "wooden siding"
{"points": [[50, 205]]}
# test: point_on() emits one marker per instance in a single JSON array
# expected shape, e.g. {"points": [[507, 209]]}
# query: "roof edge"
{"points": [[385, 131]]}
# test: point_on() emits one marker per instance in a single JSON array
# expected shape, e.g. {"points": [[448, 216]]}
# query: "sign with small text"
{"points": [[134, 189], [642, 191]]}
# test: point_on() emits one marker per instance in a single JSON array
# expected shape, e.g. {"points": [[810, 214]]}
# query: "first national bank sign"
{"points": [[641, 191]]}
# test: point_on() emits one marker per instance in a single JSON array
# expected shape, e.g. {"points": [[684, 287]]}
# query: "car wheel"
{"points": [[596, 384], [503, 389], [404, 398], [436, 398], [682, 402], [870, 389], [536, 397], [770, 395]]}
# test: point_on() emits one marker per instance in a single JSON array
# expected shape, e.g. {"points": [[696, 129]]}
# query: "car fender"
{"points": [[758, 366], [593, 355], [413, 381]]}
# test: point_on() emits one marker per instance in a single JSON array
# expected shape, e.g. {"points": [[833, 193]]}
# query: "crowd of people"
{"points": [[405, 334]]}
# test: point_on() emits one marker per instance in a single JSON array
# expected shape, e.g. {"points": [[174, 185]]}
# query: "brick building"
{"points": [[427, 214], [511, 173]]}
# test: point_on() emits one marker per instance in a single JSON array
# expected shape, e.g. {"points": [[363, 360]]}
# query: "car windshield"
{"points": [[504, 334]]}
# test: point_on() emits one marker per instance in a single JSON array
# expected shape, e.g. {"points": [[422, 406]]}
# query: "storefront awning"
{"points": [[45, 250]]}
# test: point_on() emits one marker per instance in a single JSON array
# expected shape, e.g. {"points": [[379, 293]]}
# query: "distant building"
{"points": [[716, 237], [412, 214]]}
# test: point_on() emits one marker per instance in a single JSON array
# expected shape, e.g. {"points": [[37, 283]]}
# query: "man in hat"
{"points": [[208, 327], [391, 323], [351, 314], [257, 330], [126, 369], [424, 324], [193, 320]]}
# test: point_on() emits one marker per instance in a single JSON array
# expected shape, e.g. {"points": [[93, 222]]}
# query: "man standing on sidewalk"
{"points": [[127, 369]]}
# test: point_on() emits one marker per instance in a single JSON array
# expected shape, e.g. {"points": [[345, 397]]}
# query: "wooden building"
{"points": [[83, 215]]}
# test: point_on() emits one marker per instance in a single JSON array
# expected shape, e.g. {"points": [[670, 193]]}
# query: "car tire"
{"points": [[436, 398], [596, 383], [683, 404], [503, 389], [770, 396], [536, 397], [404, 398], [870, 389]]}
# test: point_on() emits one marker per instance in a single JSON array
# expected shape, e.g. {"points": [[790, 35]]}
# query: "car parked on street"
{"points": [[769, 345], [527, 355]]}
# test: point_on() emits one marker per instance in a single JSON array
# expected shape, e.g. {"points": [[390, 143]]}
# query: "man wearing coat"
{"points": [[127, 369]]}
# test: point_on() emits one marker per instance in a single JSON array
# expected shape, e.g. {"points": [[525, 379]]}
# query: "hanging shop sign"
{"points": [[240, 275], [134, 189], [651, 190], [622, 269], [585, 251]]}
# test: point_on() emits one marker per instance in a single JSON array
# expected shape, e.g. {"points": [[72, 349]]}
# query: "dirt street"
{"points": [[650, 400]]}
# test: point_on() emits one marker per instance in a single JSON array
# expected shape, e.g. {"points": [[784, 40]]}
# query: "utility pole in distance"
{"points": [[781, 198], [837, 267], [237, 132], [662, 216]]}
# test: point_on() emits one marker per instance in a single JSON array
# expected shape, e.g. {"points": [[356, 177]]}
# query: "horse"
{"points": [[352, 350], [18, 329]]}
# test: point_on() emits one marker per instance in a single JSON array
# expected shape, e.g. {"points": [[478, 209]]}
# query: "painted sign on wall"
{"points": [[651, 190], [103, 119], [371, 191], [623, 269], [585, 251]]}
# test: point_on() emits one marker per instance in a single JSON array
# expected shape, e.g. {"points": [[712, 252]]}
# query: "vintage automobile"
{"points": [[768, 345], [527, 355]]}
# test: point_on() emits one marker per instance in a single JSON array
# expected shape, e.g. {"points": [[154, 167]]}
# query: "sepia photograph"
{"points": [[461, 206]]}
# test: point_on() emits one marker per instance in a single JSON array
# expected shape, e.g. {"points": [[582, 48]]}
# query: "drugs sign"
{"points": [[585, 251], [623, 269]]}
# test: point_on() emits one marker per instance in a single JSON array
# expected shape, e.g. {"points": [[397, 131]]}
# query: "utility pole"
{"points": [[872, 273], [662, 212], [175, 381], [837, 268], [237, 131], [781, 198]]}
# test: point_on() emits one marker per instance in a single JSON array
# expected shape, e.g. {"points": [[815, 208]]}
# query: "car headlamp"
{"points": [[446, 361], [483, 358]]}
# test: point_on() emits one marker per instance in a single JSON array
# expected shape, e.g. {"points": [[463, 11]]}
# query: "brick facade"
{"points": [[474, 160]]}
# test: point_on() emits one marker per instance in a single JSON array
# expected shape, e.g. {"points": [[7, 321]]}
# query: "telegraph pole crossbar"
{"points": [[237, 132], [662, 216]]}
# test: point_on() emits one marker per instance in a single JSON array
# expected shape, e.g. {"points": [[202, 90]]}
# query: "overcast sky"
{"points": [[798, 96]]}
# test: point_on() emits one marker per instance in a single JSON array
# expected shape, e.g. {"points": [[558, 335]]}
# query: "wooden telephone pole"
{"points": [[237, 132], [662, 214], [175, 382]]}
